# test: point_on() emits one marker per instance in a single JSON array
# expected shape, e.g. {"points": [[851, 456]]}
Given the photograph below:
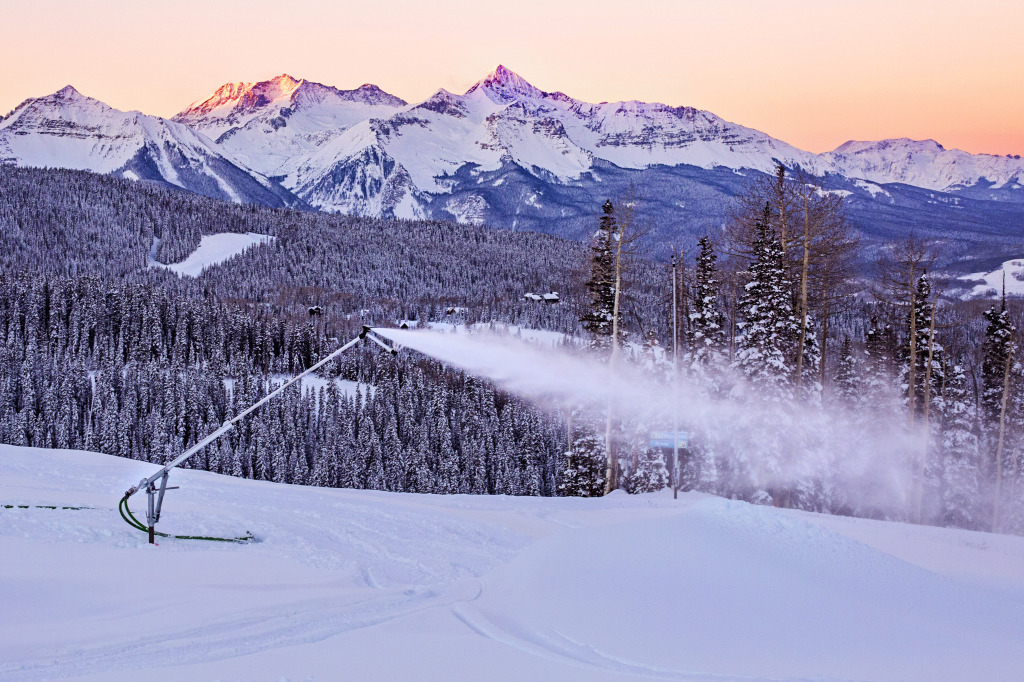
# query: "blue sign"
{"points": [[666, 439]]}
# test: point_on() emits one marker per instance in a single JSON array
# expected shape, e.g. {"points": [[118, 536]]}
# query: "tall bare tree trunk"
{"points": [[781, 192], [732, 322], [611, 472], [912, 369], [922, 464], [803, 293], [999, 447], [824, 340], [684, 313]]}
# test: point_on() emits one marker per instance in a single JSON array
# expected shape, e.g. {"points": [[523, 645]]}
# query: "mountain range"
{"points": [[503, 153]]}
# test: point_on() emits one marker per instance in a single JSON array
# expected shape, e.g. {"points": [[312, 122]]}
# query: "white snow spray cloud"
{"points": [[871, 456]]}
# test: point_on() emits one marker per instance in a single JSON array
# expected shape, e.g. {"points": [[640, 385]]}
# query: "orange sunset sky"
{"points": [[814, 74]]}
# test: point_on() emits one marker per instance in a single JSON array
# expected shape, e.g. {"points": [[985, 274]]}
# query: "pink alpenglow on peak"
{"points": [[233, 105], [507, 83]]}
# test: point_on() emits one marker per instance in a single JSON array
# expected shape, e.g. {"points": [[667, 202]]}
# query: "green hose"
{"points": [[130, 519]]}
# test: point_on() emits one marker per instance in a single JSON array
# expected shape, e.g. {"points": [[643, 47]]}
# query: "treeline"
{"points": [[825, 390], [74, 223], [144, 374]]}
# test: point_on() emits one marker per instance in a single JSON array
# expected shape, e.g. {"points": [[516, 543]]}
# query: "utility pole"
{"points": [[675, 384]]}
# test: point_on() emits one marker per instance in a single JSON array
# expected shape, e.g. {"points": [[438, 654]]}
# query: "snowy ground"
{"points": [[214, 249], [992, 282], [364, 585]]}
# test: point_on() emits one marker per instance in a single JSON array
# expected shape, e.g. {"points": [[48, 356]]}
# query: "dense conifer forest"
{"points": [[104, 352]]}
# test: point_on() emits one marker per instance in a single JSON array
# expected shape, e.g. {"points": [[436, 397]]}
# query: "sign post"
{"points": [[669, 439], [675, 380]]}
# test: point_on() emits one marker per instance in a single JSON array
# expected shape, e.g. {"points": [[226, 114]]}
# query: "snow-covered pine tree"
{"points": [[960, 454], [927, 358], [530, 453], [846, 385], [650, 473], [768, 329], [1000, 377], [707, 331], [448, 474], [764, 353], [810, 387], [597, 318], [880, 350], [997, 349], [474, 435], [582, 468]]}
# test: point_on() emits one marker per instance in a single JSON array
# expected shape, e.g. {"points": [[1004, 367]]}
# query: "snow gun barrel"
{"points": [[373, 335]]}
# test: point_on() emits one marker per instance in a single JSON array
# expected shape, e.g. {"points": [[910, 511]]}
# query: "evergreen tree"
{"points": [[927, 358], [880, 350], [650, 473], [768, 330], [997, 349], [582, 468], [846, 385], [707, 331], [598, 317], [961, 455]]}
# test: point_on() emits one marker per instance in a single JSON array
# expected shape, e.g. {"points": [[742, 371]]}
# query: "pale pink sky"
{"points": [[814, 74]]}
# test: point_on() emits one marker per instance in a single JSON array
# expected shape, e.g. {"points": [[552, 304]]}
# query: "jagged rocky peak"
{"points": [[225, 94], [371, 94], [240, 98], [54, 106], [445, 103], [68, 92], [66, 95], [278, 87], [506, 84]]}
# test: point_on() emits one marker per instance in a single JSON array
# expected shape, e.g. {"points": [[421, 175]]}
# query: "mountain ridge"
{"points": [[70, 130], [508, 154]]}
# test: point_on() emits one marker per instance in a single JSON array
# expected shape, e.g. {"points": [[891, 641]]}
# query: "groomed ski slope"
{"points": [[1011, 271], [214, 249], [362, 585]]}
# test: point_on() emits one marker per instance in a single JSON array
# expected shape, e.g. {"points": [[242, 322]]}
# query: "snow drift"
{"points": [[368, 585]]}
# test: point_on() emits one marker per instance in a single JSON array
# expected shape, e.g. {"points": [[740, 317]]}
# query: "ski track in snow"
{"points": [[371, 585], [213, 249]]}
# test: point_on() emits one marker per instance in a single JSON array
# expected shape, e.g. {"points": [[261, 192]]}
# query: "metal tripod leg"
{"points": [[153, 508], [150, 512]]}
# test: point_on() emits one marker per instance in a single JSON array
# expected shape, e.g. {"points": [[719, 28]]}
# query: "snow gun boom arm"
{"points": [[230, 423]]}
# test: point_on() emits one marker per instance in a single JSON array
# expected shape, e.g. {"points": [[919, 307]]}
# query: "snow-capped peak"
{"points": [[68, 92], [285, 81], [372, 94], [276, 125], [70, 130], [923, 163], [234, 104], [506, 84], [891, 145], [233, 98], [66, 103]]}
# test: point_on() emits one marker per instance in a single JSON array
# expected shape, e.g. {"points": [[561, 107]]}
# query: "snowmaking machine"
{"points": [[156, 485]]}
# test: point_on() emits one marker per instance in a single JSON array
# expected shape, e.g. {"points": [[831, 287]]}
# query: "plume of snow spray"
{"points": [[786, 444]]}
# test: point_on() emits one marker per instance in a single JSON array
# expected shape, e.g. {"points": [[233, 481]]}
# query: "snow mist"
{"points": [[871, 457]]}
